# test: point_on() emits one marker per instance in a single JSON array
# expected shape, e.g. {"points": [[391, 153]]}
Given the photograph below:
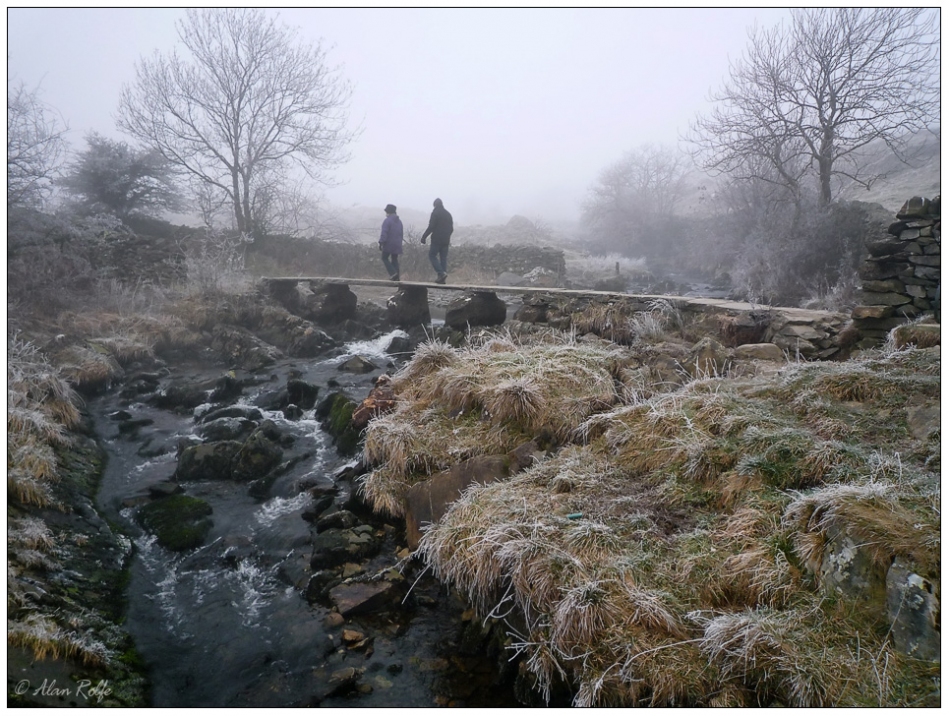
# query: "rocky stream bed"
{"points": [[258, 578]]}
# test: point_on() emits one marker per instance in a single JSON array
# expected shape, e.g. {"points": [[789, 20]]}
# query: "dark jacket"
{"points": [[439, 226], [390, 239]]}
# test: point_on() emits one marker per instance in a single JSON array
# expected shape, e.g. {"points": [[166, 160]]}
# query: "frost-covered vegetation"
{"points": [[668, 551]]}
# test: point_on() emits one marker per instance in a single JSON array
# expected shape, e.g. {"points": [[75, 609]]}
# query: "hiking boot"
{"points": [[441, 278], [394, 277]]}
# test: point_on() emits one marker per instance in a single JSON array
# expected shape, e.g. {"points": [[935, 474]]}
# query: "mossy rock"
{"points": [[335, 413], [179, 522]]}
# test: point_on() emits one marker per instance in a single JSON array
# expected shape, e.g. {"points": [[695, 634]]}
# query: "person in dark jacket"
{"points": [[390, 242], [440, 227]]}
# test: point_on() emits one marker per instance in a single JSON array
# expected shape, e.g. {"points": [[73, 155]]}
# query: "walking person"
{"points": [[440, 227], [390, 242]]}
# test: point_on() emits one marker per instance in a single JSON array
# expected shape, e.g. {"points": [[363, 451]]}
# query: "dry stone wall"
{"points": [[901, 275]]}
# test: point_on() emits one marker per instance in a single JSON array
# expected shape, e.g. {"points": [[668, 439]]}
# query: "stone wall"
{"points": [[310, 257], [901, 274]]}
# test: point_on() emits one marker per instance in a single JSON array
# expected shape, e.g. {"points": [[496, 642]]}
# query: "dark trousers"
{"points": [[391, 262], [438, 255]]}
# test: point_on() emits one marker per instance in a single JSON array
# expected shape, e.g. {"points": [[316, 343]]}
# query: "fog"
{"points": [[498, 112]]}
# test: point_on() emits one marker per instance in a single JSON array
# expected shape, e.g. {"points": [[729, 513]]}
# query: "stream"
{"points": [[226, 624]]}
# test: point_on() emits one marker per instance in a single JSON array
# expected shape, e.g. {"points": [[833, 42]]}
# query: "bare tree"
{"points": [[804, 100], [248, 97], [35, 146], [633, 194]]}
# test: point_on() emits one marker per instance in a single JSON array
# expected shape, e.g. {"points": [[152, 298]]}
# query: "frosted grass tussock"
{"points": [[47, 640]]}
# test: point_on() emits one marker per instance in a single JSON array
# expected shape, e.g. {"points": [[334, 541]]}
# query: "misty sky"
{"points": [[497, 112]]}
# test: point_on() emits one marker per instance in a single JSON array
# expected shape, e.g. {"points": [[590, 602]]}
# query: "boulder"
{"points": [[242, 412], [479, 308], [179, 522], [301, 393], [708, 357], [310, 342], [381, 400], [335, 413], [256, 458], [208, 461], [242, 349], [334, 546], [357, 364], [760, 351], [329, 303], [914, 611], [319, 584], [409, 307], [366, 597], [225, 429]]}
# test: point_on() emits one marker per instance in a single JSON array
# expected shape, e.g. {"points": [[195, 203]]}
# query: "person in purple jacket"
{"points": [[390, 242]]}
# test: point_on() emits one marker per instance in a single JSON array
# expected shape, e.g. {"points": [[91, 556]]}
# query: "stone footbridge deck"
{"points": [[811, 333]]}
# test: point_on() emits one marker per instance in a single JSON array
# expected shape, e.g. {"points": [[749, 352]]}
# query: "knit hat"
{"points": [[390, 208]]}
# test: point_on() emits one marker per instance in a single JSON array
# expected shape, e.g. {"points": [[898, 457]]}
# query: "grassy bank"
{"points": [[673, 548]]}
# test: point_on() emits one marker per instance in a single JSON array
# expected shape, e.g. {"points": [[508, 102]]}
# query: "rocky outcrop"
{"points": [[409, 307], [478, 308], [901, 274]]}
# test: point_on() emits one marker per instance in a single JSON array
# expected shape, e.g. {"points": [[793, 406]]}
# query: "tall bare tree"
{"points": [[35, 146], [805, 99], [247, 97]]}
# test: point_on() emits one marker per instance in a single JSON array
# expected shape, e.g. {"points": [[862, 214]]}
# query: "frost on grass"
{"points": [[665, 553]]}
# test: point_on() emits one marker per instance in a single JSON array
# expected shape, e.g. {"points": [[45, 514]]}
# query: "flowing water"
{"points": [[222, 625]]}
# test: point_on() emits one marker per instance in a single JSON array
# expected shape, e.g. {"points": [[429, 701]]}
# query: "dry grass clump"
{"points": [[673, 557], [48, 640], [480, 400]]}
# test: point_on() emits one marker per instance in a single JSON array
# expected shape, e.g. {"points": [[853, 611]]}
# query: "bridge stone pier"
{"points": [[809, 334]]}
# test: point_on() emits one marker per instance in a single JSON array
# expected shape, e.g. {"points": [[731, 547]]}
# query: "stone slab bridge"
{"points": [[809, 333]]}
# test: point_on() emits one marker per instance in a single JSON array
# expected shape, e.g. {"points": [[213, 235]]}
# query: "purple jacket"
{"points": [[391, 237]]}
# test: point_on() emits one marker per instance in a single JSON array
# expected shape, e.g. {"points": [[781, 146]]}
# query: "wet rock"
{"points": [[319, 584], [292, 412], [208, 461], [342, 519], [163, 489], [334, 547], [335, 413], [236, 549], [366, 597], [179, 522], [227, 387], [256, 458], [381, 400], [358, 364], [244, 412], [120, 415], [301, 393], [225, 429], [480, 308], [322, 501], [181, 396], [399, 345]]}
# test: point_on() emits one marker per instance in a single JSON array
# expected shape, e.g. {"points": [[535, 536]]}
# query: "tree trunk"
{"points": [[239, 216]]}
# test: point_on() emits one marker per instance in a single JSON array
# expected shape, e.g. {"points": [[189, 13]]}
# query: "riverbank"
{"points": [[655, 508]]}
